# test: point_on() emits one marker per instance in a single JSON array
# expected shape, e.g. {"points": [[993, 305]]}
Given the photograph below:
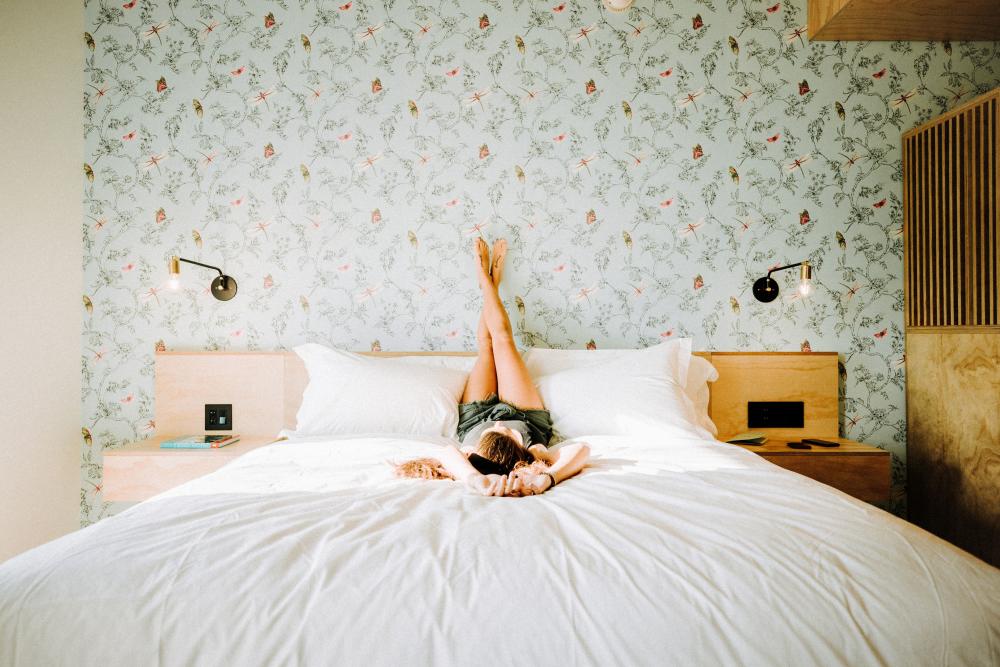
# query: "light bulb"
{"points": [[174, 282], [805, 280]]}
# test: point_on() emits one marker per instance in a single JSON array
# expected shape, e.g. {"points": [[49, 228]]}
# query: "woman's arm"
{"points": [[569, 461], [566, 462], [458, 465]]}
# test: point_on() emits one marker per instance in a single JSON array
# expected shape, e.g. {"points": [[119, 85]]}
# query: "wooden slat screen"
{"points": [[951, 196]]}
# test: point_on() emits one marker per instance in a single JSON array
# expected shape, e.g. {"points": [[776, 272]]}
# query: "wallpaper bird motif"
{"points": [[337, 158]]}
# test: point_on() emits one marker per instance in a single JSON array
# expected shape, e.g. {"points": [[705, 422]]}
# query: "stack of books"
{"points": [[199, 442]]}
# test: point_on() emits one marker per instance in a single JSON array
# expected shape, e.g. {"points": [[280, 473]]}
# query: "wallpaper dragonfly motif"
{"points": [[338, 158]]}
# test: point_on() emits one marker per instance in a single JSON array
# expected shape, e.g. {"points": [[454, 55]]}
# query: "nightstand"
{"points": [[142, 470], [857, 469]]}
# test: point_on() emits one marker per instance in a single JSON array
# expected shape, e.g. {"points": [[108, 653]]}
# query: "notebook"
{"points": [[199, 442]]}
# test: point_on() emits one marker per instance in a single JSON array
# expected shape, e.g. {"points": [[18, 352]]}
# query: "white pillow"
{"points": [[700, 373], [349, 393], [632, 394], [464, 363], [544, 361]]}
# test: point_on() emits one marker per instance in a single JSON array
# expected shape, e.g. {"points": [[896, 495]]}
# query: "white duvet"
{"points": [[681, 552]]}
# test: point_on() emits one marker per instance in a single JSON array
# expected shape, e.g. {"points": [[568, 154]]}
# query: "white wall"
{"points": [[41, 181]]}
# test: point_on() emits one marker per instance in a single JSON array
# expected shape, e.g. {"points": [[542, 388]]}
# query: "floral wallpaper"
{"points": [[337, 158]]}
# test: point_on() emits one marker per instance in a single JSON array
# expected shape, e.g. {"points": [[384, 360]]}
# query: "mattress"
{"points": [[663, 551]]}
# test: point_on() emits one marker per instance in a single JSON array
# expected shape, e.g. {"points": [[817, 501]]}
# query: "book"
{"points": [[748, 438], [199, 442]]}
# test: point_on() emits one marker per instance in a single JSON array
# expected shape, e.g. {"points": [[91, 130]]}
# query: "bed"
{"points": [[310, 552], [669, 548]]}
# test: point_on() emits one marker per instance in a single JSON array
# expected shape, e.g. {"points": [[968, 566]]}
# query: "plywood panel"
{"points": [[952, 197], [953, 452], [821, 13], [908, 20], [776, 376], [252, 381]]}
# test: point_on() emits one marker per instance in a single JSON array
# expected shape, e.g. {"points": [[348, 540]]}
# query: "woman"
{"points": [[503, 425]]}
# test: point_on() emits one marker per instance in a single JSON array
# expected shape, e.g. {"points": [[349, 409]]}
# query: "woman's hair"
{"points": [[502, 450], [423, 469], [496, 454]]}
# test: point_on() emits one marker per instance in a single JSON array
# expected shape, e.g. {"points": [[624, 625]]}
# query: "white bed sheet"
{"points": [[681, 552]]}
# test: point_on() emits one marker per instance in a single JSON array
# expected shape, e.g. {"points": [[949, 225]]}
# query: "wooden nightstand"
{"points": [[141, 470], [860, 470]]}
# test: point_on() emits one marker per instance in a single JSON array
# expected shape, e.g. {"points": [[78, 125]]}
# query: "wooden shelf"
{"points": [[907, 20], [779, 447], [142, 470]]}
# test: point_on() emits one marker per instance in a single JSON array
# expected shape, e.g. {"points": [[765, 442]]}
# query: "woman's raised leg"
{"points": [[483, 378], [514, 384]]}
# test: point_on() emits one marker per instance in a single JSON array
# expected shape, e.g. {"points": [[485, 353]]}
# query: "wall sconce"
{"points": [[223, 286], [766, 289]]}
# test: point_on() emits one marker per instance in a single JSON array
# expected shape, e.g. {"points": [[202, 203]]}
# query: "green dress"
{"points": [[476, 417]]}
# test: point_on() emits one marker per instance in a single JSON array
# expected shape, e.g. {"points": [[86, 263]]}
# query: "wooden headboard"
{"points": [[265, 388]]}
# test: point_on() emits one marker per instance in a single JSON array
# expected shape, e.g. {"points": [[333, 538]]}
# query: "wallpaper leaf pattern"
{"points": [[338, 157]]}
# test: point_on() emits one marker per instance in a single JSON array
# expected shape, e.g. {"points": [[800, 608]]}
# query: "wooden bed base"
{"points": [[265, 389]]}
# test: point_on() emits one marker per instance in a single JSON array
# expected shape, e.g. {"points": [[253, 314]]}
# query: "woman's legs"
{"points": [[514, 385], [483, 378]]}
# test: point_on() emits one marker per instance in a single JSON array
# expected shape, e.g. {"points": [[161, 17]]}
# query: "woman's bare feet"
{"points": [[499, 255], [482, 252]]}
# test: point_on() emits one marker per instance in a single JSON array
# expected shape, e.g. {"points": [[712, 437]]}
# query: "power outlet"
{"points": [[219, 417]]}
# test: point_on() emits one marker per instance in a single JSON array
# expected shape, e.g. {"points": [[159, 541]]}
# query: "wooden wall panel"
{"points": [[251, 381], [950, 201], [953, 453], [776, 376], [952, 313]]}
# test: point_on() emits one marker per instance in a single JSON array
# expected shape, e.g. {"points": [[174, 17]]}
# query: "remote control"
{"points": [[799, 445], [820, 443]]}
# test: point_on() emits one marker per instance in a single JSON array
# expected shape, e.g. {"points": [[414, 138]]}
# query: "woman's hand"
{"points": [[488, 485], [526, 482]]}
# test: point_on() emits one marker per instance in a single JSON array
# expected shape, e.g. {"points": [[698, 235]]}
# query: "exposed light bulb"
{"points": [[805, 280], [174, 282]]}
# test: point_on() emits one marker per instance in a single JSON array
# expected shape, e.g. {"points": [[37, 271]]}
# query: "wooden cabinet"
{"points": [[857, 469], [951, 199], [142, 470]]}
